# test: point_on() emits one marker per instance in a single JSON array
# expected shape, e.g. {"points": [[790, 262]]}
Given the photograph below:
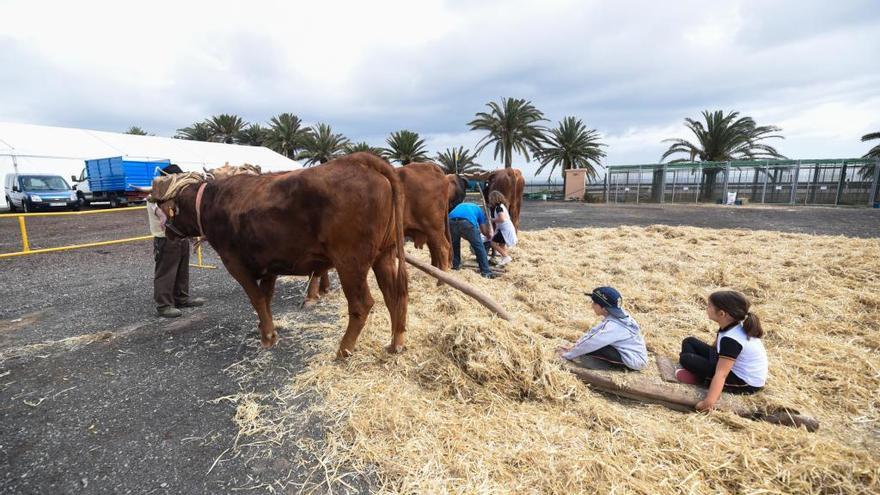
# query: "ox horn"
{"points": [[142, 188]]}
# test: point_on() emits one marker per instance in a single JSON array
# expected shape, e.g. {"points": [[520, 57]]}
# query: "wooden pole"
{"points": [[471, 291], [683, 401]]}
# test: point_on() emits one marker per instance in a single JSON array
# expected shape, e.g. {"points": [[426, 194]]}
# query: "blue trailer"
{"points": [[113, 179]]}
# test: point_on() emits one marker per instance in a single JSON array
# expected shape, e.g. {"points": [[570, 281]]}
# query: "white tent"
{"points": [[62, 151]]}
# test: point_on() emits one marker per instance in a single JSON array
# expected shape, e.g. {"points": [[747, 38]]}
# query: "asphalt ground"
{"points": [[98, 395]]}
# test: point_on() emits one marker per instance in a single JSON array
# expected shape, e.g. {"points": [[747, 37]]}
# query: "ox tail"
{"points": [[398, 203]]}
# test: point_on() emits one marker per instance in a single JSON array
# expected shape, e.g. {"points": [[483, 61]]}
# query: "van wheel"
{"points": [[10, 205], [25, 206], [82, 200]]}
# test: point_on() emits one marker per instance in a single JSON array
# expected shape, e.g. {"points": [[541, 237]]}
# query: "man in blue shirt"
{"points": [[468, 220]]}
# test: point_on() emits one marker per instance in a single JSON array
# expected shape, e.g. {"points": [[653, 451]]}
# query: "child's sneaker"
{"points": [[505, 260], [685, 376]]}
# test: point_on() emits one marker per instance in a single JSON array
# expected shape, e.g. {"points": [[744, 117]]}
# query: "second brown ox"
{"points": [[425, 221]]}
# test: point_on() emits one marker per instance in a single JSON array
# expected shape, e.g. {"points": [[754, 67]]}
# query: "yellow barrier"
{"points": [[26, 248]]}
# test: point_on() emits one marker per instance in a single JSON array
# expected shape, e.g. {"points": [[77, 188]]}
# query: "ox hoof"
{"points": [[342, 354], [394, 349], [308, 303], [270, 341]]}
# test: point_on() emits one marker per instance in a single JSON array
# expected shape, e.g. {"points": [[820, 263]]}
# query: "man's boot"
{"points": [[168, 311], [192, 302]]}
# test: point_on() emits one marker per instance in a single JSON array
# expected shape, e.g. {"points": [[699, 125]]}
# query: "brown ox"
{"points": [[347, 213], [510, 183], [425, 220], [457, 190]]}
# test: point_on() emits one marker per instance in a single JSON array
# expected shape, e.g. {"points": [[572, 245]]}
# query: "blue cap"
{"points": [[608, 298]]}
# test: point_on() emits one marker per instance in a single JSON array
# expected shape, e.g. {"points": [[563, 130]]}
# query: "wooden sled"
{"points": [[680, 398]]}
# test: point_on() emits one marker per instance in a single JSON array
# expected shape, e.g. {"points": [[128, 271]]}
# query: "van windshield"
{"points": [[43, 183]]}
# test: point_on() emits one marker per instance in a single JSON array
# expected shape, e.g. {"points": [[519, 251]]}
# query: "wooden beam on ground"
{"points": [[468, 289], [685, 400]]}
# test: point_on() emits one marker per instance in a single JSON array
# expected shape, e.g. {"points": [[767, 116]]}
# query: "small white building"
{"points": [[62, 151]]}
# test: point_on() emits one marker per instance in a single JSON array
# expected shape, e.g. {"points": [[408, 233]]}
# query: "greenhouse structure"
{"points": [[812, 182]]}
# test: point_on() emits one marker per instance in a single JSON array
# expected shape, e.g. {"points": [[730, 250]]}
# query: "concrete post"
{"points": [[726, 183], [663, 184], [872, 197], [766, 178], [794, 182]]}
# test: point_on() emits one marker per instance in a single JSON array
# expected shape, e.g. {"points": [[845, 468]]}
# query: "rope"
{"points": [[169, 186]]}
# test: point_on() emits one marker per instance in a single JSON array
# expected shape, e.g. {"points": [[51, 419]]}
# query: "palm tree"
{"points": [[321, 145], [254, 135], [513, 126], [571, 145], [459, 161], [723, 138], [196, 132], [137, 131], [364, 146], [406, 147], [867, 171], [286, 134], [225, 128]]}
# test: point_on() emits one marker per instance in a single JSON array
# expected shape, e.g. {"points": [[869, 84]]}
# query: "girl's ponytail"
{"points": [[752, 325], [737, 306]]}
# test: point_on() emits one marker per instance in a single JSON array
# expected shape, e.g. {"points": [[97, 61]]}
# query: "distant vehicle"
{"points": [[112, 180], [30, 192]]}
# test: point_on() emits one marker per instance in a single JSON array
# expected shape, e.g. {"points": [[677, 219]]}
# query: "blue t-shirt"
{"points": [[470, 212]]}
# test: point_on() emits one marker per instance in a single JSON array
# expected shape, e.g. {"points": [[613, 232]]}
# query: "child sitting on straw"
{"points": [[737, 362], [617, 339]]}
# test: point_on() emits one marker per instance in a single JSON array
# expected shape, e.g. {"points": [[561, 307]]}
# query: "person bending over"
{"points": [[467, 220], [505, 233]]}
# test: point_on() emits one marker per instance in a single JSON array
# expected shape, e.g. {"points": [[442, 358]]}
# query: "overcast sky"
{"points": [[632, 70]]}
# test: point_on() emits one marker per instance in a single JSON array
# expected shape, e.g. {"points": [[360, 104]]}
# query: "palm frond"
{"points": [[405, 146]]}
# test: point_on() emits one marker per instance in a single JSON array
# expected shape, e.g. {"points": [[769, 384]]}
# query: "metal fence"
{"points": [[593, 192], [811, 182]]}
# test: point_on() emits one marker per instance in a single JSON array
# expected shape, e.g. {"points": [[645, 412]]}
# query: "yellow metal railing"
{"points": [[26, 247]]}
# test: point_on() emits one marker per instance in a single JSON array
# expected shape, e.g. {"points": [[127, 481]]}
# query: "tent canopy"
{"points": [[63, 151]]}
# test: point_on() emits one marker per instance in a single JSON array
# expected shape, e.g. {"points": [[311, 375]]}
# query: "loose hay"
{"points": [[478, 405]]}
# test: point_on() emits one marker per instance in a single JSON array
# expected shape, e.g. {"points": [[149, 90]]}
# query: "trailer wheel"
{"points": [[114, 202]]}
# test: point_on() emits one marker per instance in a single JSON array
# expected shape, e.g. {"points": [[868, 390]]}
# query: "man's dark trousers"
{"points": [[171, 278], [458, 228]]}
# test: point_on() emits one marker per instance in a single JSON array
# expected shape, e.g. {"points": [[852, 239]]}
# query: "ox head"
{"points": [[164, 192]]}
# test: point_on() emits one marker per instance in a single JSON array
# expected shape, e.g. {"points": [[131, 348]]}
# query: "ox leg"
{"points": [[440, 251], [313, 292], [325, 283], [267, 287], [357, 293], [385, 268], [256, 293]]}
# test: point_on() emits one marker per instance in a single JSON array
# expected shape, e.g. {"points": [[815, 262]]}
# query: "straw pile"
{"points": [[479, 405]]}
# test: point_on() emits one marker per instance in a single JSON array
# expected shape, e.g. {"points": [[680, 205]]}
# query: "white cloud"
{"points": [[632, 70]]}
